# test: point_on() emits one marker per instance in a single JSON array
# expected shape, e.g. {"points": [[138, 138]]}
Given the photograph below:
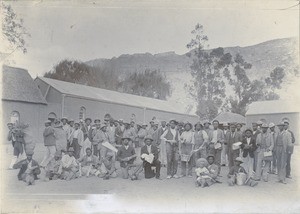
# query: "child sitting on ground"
{"points": [[88, 164], [52, 167], [69, 166], [202, 173], [237, 175]]}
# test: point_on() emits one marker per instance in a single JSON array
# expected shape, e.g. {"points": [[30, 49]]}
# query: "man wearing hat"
{"points": [[237, 169], [283, 140], [290, 148], [69, 167], [88, 164], [119, 132], [97, 131], [87, 128], [53, 166], [149, 155], [256, 131], [101, 137], [76, 139], [171, 137], [265, 144], [61, 137], [126, 156], [274, 135], [29, 169], [111, 131], [17, 143], [231, 138], [216, 140], [49, 142], [248, 147]]}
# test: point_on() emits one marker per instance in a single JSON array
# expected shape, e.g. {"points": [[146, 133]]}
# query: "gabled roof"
{"points": [[228, 117], [113, 96], [17, 85], [273, 107]]}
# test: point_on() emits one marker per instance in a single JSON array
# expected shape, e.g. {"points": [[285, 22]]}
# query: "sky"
{"points": [[106, 29]]}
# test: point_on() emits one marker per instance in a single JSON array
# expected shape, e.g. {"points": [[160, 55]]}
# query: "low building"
{"points": [[275, 111]]}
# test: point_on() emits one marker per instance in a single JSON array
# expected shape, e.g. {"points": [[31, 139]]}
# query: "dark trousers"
{"points": [[76, 148], [149, 172], [95, 150], [172, 159], [288, 165]]}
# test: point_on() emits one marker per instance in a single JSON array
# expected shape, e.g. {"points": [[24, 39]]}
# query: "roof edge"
{"points": [[23, 101]]}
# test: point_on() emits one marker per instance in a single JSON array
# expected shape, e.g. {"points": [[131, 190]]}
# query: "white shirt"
{"points": [[67, 161], [75, 134], [187, 137], [149, 149], [126, 147], [248, 140], [215, 136]]}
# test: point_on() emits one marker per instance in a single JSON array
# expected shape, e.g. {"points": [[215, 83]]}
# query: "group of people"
{"points": [[80, 148]]}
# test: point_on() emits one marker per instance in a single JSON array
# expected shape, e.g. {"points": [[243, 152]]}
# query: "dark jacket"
{"points": [[251, 150], [154, 151], [49, 137]]}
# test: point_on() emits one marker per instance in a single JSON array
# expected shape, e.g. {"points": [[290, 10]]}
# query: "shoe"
{"points": [[175, 176], [288, 176], [284, 182], [169, 177], [223, 165]]}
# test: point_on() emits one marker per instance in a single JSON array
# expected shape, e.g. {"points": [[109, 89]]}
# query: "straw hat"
{"points": [[239, 159], [149, 137]]}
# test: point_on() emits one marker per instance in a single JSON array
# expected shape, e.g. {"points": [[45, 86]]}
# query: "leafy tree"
{"points": [[13, 31], [149, 84], [208, 87]]}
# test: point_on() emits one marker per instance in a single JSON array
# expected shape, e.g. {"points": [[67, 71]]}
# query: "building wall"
{"points": [[41, 85], [294, 119], [53, 96]]}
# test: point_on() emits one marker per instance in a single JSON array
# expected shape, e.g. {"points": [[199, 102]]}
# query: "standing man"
{"points": [[95, 142], [255, 133], [49, 142], [216, 140], [171, 137], [231, 138], [265, 144], [290, 149], [100, 138], [162, 148], [17, 144], [65, 124], [142, 134], [274, 135], [76, 140], [283, 140], [206, 125], [87, 128], [111, 130], [224, 158]]}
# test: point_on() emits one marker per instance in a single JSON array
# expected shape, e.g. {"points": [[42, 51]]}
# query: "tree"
{"points": [[149, 84], [13, 31], [208, 87]]}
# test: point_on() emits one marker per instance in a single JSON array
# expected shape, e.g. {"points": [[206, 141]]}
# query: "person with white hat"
{"points": [[283, 140], [265, 144], [29, 169], [149, 155], [76, 139], [49, 142], [274, 134], [238, 175]]}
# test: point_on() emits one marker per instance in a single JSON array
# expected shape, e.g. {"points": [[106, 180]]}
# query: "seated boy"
{"points": [[235, 171], [69, 167], [203, 175], [29, 169], [108, 168], [149, 155], [126, 156], [53, 166], [89, 164]]}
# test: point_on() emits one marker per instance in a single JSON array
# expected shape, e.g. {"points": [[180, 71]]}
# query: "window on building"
{"points": [[82, 113], [14, 117]]}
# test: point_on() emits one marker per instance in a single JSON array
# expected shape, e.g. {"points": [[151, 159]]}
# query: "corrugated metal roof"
{"points": [[228, 117], [273, 107], [113, 96], [17, 85]]}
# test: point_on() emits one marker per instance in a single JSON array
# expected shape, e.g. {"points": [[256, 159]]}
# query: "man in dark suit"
{"points": [[149, 155], [248, 147], [231, 138]]}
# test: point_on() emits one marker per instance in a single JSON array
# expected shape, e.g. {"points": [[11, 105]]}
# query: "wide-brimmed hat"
{"points": [[271, 125], [286, 121], [103, 125], [188, 123], [59, 124], [47, 121], [173, 120], [144, 124], [210, 156], [64, 118], [88, 119], [126, 137], [120, 120], [71, 120], [281, 124], [202, 160], [232, 124], [97, 120], [259, 122], [239, 124], [248, 129], [225, 125], [264, 125], [29, 152], [148, 137], [77, 122], [215, 121], [198, 123], [206, 121], [239, 159], [9, 123]]}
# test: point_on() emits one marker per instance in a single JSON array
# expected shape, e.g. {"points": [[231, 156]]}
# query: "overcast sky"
{"points": [[105, 29]]}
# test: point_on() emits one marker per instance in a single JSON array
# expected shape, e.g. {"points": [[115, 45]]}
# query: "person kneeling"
{"points": [[126, 156], [149, 155], [237, 175], [69, 166], [29, 169], [89, 164], [108, 168], [52, 168]]}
